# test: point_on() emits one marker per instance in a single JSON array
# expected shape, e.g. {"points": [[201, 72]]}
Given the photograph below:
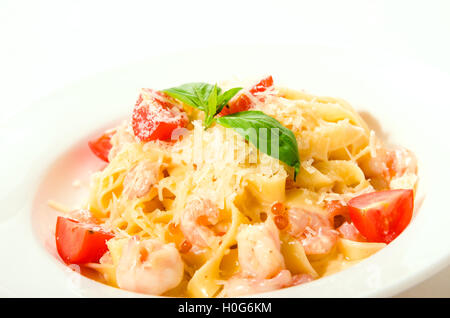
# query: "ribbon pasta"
{"points": [[335, 144]]}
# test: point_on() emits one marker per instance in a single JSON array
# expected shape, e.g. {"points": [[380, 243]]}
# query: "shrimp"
{"points": [[404, 162], [240, 286], [197, 216], [259, 250], [389, 164], [122, 136], [140, 179], [350, 232], [313, 230], [262, 264], [299, 279], [405, 166], [337, 212], [149, 266]]}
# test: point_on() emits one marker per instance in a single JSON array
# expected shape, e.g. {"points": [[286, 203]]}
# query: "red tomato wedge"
{"points": [[80, 243], [381, 216], [154, 117], [243, 102], [101, 146]]}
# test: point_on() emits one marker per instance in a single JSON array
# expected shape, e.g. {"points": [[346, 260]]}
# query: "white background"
{"points": [[47, 44]]}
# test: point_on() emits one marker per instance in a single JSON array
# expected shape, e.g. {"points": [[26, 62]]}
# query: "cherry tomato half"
{"points": [[101, 146], [381, 216], [80, 243], [155, 118], [243, 102]]}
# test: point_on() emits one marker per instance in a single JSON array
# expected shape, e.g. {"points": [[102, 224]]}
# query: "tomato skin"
{"points": [[262, 85], [243, 102], [80, 243], [101, 146], [381, 216], [155, 118]]}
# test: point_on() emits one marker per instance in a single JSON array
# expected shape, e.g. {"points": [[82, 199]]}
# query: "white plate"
{"points": [[408, 98]]}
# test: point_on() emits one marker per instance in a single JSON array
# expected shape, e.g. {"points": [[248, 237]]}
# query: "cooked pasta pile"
{"points": [[231, 213]]}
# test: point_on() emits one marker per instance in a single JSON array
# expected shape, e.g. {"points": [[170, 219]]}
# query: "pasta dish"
{"points": [[223, 191]]}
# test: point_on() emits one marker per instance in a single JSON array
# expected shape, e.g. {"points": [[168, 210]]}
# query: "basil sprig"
{"points": [[206, 97], [250, 125], [256, 127]]}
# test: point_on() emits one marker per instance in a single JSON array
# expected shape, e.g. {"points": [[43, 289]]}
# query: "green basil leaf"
{"points": [[193, 94], [224, 98], [261, 130], [212, 106]]}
